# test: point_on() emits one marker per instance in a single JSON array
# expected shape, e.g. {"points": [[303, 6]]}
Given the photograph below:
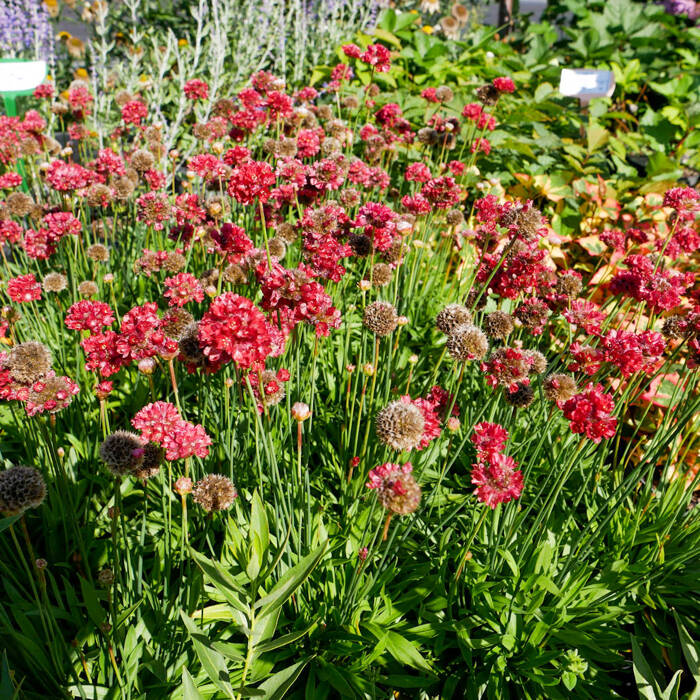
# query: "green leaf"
{"points": [[259, 527], [213, 663], [646, 683], [290, 581], [7, 688], [596, 137], [405, 653], [92, 603], [691, 653], [6, 522], [283, 640], [189, 689], [223, 582], [276, 686]]}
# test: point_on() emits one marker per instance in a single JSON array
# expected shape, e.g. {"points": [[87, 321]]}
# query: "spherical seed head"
{"points": [[142, 160], [87, 289], [487, 94], [522, 397], [476, 299], [467, 342], [277, 248], [400, 494], [361, 245], [214, 492], [559, 387], [427, 136], [233, 274], [400, 425], [569, 286], [529, 222], [454, 217], [190, 350], [175, 322], [54, 282], [287, 232], [153, 456], [28, 362], [98, 195], [538, 361], [395, 252], [98, 252], [380, 318], [123, 188], [444, 93], [175, 262], [122, 452], [381, 274], [105, 578], [21, 488], [498, 325], [673, 327], [451, 316], [19, 204]]}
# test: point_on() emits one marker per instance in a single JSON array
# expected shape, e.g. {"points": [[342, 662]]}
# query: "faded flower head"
{"points": [[380, 318], [559, 387], [451, 316], [498, 325], [28, 362], [214, 492], [467, 342], [396, 488], [21, 488], [122, 452], [400, 425]]}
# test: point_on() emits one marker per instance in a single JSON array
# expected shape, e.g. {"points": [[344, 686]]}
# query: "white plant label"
{"points": [[16, 76], [586, 84]]}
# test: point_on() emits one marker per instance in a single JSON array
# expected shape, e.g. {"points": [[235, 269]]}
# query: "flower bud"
{"points": [[147, 365], [300, 411], [183, 486]]}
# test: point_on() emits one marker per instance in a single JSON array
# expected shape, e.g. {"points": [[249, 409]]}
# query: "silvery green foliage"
{"points": [[228, 41]]}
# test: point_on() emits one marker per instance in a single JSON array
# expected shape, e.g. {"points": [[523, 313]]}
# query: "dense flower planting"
{"points": [[218, 368]]}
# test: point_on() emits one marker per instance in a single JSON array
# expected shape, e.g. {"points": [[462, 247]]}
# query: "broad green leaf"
{"points": [[691, 653], [189, 689], [405, 653], [276, 686], [283, 640], [223, 581], [646, 683], [290, 581], [7, 688], [259, 527], [6, 522], [213, 663], [596, 137]]}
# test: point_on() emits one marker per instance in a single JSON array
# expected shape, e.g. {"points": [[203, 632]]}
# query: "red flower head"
{"points": [[251, 180], [134, 111], [235, 330], [489, 438], [183, 288], [24, 288], [504, 85], [497, 480], [196, 89], [590, 413], [88, 315]]}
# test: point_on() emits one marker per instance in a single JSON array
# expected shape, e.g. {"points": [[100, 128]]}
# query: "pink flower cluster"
{"points": [[589, 413], [160, 422], [495, 475]]}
